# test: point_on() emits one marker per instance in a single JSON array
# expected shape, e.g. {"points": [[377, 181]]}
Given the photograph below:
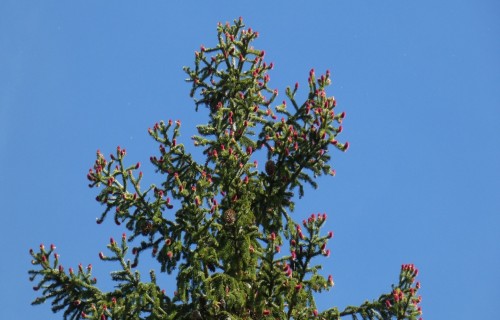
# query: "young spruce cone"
{"points": [[270, 167]]}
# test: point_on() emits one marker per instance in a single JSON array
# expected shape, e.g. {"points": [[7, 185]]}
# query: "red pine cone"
{"points": [[270, 167]]}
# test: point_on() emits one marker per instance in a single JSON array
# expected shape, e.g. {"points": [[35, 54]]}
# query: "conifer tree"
{"points": [[222, 227]]}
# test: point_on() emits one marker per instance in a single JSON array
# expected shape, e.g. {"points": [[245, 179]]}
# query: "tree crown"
{"points": [[222, 223]]}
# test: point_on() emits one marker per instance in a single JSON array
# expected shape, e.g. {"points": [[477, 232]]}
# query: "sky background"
{"points": [[419, 81]]}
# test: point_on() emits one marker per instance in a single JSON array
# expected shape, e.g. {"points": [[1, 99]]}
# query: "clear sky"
{"points": [[419, 81]]}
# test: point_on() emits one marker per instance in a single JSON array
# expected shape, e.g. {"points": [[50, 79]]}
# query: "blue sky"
{"points": [[419, 81]]}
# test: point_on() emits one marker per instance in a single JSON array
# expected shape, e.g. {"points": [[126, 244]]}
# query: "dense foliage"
{"points": [[224, 226]]}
